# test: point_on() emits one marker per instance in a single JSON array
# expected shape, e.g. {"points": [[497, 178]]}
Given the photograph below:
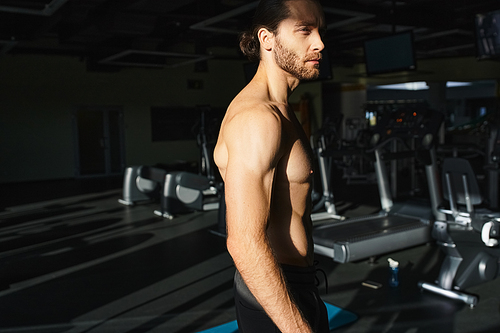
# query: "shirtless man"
{"points": [[265, 160]]}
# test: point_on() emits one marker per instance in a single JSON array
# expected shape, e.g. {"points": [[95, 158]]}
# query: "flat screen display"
{"points": [[488, 35], [390, 54]]}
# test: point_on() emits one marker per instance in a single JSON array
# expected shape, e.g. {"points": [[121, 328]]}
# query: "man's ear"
{"points": [[266, 38]]}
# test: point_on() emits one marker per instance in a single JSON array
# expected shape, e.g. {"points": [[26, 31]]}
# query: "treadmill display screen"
{"points": [[409, 123]]}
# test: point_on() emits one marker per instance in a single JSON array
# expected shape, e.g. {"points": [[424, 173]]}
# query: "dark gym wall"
{"points": [[39, 93]]}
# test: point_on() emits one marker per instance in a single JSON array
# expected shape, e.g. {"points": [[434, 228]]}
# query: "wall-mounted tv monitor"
{"points": [[394, 53], [488, 35]]}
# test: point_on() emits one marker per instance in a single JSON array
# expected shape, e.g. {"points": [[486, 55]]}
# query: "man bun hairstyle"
{"points": [[269, 14]]}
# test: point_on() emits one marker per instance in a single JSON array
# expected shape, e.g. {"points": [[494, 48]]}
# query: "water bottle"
{"points": [[394, 272]]}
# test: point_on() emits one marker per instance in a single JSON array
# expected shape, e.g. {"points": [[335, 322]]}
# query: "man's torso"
{"points": [[289, 226]]}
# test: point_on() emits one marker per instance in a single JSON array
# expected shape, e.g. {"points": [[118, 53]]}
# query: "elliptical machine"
{"points": [[185, 192]]}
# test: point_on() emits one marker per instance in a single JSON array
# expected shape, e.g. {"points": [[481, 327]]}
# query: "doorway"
{"points": [[99, 141]]}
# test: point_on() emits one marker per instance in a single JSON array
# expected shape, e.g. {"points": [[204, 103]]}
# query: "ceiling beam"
{"points": [[48, 10]]}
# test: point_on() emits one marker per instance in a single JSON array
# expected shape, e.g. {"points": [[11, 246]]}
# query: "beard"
{"points": [[291, 63]]}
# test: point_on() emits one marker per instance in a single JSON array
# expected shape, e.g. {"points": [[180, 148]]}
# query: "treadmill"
{"points": [[397, 225]]}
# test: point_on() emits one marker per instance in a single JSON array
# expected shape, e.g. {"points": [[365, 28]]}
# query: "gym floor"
{"points": [[72, 259]]}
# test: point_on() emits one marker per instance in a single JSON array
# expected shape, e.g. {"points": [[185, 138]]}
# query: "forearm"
{"points": [[263, 277], [254, 147]]}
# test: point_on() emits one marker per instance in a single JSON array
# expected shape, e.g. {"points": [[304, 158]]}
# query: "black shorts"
{"points": [[301, 283]]}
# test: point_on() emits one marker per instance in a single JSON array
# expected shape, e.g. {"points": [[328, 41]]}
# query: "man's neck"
{"points": [[280, 84]]}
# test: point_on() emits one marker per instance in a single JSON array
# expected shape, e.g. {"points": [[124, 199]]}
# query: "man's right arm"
{"points": [[253, 140]]}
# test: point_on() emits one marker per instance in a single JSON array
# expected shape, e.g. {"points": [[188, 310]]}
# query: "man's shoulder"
{"points": [[247, 112], [256, 123]]}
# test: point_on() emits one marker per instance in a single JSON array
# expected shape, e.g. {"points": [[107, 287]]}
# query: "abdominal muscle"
{"points": [[290, 233]]}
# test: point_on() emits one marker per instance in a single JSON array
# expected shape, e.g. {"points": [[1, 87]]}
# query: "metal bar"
{"points": [[203, 25], [49, 9]]}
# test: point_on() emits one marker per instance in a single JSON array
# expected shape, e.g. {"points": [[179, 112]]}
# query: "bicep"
{"points": [[253, 152]]}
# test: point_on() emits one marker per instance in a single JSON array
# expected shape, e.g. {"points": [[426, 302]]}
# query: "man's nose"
{"points": [[317, 45]]}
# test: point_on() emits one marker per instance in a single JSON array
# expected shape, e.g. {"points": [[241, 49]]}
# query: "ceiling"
{"points": [[113, 34]]}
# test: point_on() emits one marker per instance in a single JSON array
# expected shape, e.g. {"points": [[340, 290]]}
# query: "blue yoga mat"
{"points": [[336, 317]]}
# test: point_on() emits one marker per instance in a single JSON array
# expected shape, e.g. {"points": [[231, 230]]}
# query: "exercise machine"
{"points": [[398, 225], [492, 165], [184, 192], [356, 167], [324, 204], [142, 184], [468, 235], [177, 191]]}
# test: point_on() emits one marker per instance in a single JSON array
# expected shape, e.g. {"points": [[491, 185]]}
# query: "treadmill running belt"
{"points": [[370, 236]]}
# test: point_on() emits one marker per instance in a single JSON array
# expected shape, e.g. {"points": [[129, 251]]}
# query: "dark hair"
{"points": [[269, 15]]}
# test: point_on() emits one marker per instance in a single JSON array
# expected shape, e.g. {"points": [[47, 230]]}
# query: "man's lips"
{"points": [[315, 60]]}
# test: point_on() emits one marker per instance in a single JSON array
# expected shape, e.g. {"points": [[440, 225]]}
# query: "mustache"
{"points": [[316, 56]]}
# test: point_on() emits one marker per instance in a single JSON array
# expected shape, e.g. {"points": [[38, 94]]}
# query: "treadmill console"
{"points": [[495, 146], [406, 124]]}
